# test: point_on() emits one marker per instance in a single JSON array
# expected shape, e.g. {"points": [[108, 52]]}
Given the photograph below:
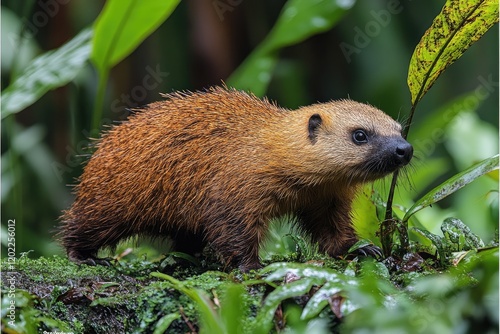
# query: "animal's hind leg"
{"points": [[83, 239], [239, 244], [86, 257]]}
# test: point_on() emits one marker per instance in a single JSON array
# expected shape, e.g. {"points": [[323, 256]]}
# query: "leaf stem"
{"points": [[386, 231], [99, 100], [406, 131]]}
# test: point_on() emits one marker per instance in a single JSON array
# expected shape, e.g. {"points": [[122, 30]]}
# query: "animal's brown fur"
{"points": [[220, 164]]}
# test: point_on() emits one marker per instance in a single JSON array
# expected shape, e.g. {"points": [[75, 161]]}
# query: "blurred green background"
{"points": [[364, 57]]}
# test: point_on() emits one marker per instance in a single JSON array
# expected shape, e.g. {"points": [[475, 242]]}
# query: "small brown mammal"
{"points": [[220, 164]]}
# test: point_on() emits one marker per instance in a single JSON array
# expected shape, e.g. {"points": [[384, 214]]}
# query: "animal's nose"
{"points": [[404, 152]]}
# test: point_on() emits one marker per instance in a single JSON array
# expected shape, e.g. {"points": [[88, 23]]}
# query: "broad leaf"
{"points": [[436, 240], [232, 310], [279, 270], [459, 25], [298, 20], [297, 288], [165, 322], [453, 184], [365, 217], [123, 25], [306, 276], [360, 244], [50, 70], [320, 299], [456, 230]]}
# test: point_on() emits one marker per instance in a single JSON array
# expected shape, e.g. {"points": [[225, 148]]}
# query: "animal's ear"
{"points": [[314, 123]]}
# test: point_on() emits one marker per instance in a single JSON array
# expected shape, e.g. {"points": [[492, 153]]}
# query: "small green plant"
{"points": [[457, 238], [454, 30], [310, 296], [19, 315], [230, 316]]}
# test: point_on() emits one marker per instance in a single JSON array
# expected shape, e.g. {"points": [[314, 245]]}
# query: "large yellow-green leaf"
{"points": [[123, 25], [454, 30]]}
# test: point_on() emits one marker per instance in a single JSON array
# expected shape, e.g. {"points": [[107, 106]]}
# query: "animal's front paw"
{"points": [[365, 248], [370, 250]]}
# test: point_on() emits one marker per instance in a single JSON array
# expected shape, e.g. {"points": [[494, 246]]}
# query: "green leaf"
{"points": [[369, 210], [265, 316], [232, 310], [165, 322], [320, 300], [50, 70], [453, 184], [279, 270], [298, 20], [306, 276], [436, 240], [456, 230], [29, 146], [459, 25], [123, 25], [184, 256], [360, 244]]}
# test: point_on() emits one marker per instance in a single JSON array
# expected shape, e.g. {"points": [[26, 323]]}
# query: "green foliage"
{"points": [[165, 322], [457, 238], [298, 20], [287, 240], [455, 301], [119, 29], [123, 25], [454, 30], [303, 277], [302, 296], [363, 294], [442, 117], [48, 71], [19, 316], [453, 184], [209, 321], [459, 25]]}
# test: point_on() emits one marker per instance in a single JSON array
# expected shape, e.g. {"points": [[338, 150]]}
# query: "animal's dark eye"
{"points": [[359, 137]]}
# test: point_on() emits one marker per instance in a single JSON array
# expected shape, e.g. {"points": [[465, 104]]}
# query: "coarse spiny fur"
{"points": [[220, 164]]}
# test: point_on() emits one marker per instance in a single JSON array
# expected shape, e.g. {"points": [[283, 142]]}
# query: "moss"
{"points": [[85, 298], [120, 298], [53, 294]]}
